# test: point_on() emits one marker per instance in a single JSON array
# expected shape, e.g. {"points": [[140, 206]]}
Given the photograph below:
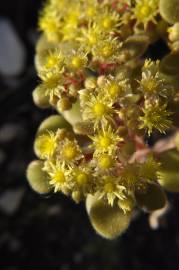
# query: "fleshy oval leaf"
{"points": [[169, 180], [136, 45], [168, 176], [170, 161], [37, 178], [169, 10], [169, 65], [109, 222], [73, 116], [39, 97], [52, 123], [153, 198]]}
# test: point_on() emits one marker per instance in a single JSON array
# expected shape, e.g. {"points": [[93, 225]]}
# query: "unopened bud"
{"points": [[64, 104]]}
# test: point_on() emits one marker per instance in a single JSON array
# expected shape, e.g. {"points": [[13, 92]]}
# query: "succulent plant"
{"points": [[111, 99]]}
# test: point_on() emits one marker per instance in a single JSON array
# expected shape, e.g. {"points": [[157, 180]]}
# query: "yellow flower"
{"points": [[50, 24], [105, 161], [105, 140], [111, 190], [96, 108], [53, 85], [149, 169], [115, 88], [90, 36], [77, 60], [107, 20], [152, 84], [45, 145], [155, 116], [54, 60], [129, 177], [69, 151], [81, 180], [145, 11], [106, 50], [58, 176]]}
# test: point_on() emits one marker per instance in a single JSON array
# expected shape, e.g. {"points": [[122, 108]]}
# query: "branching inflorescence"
{"points": [[94, 68]]}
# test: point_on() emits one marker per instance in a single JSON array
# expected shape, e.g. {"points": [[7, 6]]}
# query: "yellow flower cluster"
{"points": [[93, 62], [98, 168], [85, 35]]}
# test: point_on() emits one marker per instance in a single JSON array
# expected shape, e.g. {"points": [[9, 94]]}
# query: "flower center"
{"points": [[107, 23], [69, 153], [52, 61], [105, 162], [82, 178], [107, 51], [99, 109], [104, 142], [92, 38], [109, 187], [59, 177], [77, 62], [145, 11], [114, 89]]}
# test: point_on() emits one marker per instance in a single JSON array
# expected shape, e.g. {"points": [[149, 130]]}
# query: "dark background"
{"points": [[53, 233]]}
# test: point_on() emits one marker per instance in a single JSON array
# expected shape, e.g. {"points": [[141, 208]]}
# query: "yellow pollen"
{"points": [[77, 62], [92, 38], [114, 89], [107, 51], [82, 178], [105, 162], [52, 81], [109, 187], [59, 177], [107, 23], [105, 142], [99, 109], [69, 152], [51, 61], [150, 85], [145, 11]]}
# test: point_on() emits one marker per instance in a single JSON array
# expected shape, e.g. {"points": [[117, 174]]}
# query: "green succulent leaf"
{"points": [[52, 123], [37, 178], [39, 97], [73, 115], [169, 65], [168, 176], [169, 180], [169, 10], [108, 221], [153, 198], [170, 161], [136, 45]]}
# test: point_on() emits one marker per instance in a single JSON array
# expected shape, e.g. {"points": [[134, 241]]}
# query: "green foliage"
{"points": [[53, 123], [151, 199], [109, 222], [37, 178], [40, 99], [168, 175], [169, 10]]}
